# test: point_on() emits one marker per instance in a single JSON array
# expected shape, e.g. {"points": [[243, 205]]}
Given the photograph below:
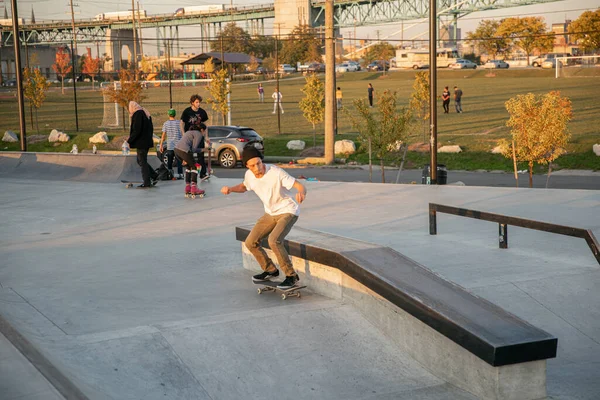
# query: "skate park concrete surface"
{"points": [[141, 294]]}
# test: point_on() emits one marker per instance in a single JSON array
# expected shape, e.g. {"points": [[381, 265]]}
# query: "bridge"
{"points": [[347, 13]]}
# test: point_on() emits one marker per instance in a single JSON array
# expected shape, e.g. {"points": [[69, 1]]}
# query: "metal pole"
{"points": [[140, 32], [433, 89], [134, 36], [73, 64], [18, 77], [277, 105], [329, 83], [169, 72]]}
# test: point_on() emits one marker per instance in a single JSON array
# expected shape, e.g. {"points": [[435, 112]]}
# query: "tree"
{"points": [[381, 131], [35, 86], [62, 66], [379, 51], [300, 45], [253, 64], [91, 67], [234, 40], [270, 64], [313, 105], [527, 33], [419, 100], [262, 46], [209, 66], [539, 129], [130, 89], [586, 29], [487, 40], [219, 91]]}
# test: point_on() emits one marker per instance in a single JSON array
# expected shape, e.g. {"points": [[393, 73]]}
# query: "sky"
{"points": [[553, 12]]}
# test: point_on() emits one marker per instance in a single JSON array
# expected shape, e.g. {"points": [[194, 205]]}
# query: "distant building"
{"points": [[563, 42], [450, 36]]}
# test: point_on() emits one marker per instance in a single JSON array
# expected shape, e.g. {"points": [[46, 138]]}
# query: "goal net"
{"points": [[578, 66], [158, 101]]}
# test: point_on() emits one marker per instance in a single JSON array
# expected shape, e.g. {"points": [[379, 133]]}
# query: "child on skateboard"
{"points": [[192, 142], [272, 185]]}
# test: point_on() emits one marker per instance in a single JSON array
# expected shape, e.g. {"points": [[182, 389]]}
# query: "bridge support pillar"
{"points": [[291, 13], [115, 40]]}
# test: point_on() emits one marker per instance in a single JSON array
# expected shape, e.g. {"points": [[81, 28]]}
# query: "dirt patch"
{"points": [[37, 138], [318, 151], [419, 147]]}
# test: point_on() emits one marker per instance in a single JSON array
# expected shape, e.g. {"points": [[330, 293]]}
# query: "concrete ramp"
{"points": [[101, 168]]}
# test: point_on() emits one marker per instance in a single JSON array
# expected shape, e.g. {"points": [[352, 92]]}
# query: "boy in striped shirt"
{"points": [[172, 131]]}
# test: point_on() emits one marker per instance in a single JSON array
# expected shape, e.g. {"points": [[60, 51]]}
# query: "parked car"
{"points": [[316, 67], [357, 65], [378, 65], [341, 68], [491, 64], [346, 67], [461, 63], [303, 67], [10, 82], [538, 61], [550, 63], [260, 71], [286, 69], [228, 142]]}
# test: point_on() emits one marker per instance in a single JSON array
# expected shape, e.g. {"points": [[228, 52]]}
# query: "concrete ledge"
{"points": [[436, 352]]}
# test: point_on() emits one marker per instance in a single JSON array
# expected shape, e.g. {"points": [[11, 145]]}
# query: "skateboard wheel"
{"points": [[259, 290], [283, 296], [299, 295]]}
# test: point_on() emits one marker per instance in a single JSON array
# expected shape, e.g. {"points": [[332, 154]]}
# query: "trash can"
{"points": [[442, 174]]}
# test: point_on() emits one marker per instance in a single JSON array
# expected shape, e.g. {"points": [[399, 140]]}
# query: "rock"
{"points": [[419, 147], [395, 146], [450, 149], [497, 150], [156, 139], [596, 149], [296, 145], [10, 136], [100, 137], [344, 147], [57, 136]]}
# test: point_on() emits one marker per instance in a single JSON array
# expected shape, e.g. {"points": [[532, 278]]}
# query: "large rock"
{"points": [[497, 150], [296, 145], [450, 149], [156, 139], [10, 136], [395, 146], [344, 147], [57, 136], [100, 137], [596, 149]]}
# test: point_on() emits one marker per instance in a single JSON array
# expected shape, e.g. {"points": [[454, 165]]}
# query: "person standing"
{"points": [[446, 100], [457, 99], [261, 93], [338, 97], [277, 101], [272, 185], [171, 130], [140, 138], [371, 93], [192, 142]]}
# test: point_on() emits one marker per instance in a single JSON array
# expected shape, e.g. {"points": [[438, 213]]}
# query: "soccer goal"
{"points": [[158, 100], [578, 66]]}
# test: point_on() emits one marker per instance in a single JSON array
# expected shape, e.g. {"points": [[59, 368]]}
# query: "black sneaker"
{"points": [[289, 282], [144, 186], [265, 276]]}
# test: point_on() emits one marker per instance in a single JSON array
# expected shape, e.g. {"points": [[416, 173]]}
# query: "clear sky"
{"points": [[553, 12]]}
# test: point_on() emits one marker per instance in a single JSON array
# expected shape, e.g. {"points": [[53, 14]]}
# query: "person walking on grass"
{"points": [[446, 100], [338, 97], [371, 94], [457, 99], [272, 185], [172, 132], [276, 101], [140, 138]]}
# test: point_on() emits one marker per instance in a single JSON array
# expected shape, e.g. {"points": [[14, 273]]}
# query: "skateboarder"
{"points": [[272, 185], [192, 142], [140, 138]]}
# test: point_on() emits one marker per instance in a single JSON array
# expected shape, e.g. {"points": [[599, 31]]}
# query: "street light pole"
{"points": [[433, 90], [18, 77], [329, 83]]}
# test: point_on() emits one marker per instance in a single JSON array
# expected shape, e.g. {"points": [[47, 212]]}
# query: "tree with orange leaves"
{"points": [[91, 67], [62, 66]]}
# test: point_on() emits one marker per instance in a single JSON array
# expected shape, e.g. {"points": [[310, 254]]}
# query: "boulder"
{"points": [[497, 150], [10, 136], [296, 145], [100, 137], [450, 149], [57, 136], [344, 147], [596, 149], [395, 146]]}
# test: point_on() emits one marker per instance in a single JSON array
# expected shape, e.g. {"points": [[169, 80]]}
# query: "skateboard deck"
{"points": [[129, 184], [269, 286]]}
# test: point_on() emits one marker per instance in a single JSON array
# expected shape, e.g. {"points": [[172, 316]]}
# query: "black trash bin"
{"points": [[442, 174]]}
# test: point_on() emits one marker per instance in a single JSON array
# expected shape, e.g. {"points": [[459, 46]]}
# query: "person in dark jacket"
{"points": [[140, 138]]}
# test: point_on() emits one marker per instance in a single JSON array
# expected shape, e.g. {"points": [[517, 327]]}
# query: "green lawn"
{"points": [[476, 130]]}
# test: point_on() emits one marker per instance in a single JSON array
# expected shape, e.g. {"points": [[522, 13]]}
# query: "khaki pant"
{"points": [[276, 227]]}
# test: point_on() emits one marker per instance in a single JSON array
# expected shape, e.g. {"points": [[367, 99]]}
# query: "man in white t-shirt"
{"points": [[272, 185], [277, 96]]}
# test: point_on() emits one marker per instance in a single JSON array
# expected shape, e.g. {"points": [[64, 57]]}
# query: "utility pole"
{"points": [[433, 90], [140, 32], [18, 76], [277, 105], [329, 83], [74, 64], [134, 37]]}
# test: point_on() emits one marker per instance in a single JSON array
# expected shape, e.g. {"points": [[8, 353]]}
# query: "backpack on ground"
{"points": [[163, 173]]}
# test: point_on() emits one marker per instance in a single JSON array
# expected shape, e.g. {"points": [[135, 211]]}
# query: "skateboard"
{"points": [[268, 286], [129, 184]]}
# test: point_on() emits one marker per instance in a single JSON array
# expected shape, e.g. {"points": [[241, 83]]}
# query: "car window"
{"points": [[216, 132], [251, 133]]}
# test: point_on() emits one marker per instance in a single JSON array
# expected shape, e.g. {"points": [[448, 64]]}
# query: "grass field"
{"points": [[476, 130]]}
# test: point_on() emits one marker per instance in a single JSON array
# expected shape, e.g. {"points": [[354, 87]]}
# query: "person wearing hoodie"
{"points": [[140, 138]]}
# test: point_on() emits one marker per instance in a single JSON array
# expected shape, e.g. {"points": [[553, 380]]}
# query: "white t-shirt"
{"points": [[273, 189]]}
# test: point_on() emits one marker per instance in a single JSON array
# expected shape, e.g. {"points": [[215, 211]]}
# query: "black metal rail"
{"points": [[503, 222]]}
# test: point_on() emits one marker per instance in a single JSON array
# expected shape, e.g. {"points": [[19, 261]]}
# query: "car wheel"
{"points": [[475, 67], [535, 64], [227, 159], [415, 67]]}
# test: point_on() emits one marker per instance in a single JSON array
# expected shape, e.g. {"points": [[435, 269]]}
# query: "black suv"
{"points": [[228, 142]]}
